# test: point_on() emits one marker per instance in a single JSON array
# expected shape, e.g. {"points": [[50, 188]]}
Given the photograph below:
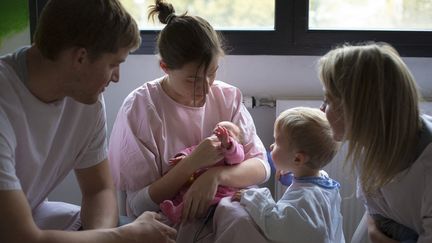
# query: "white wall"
{"points": [[260, 76]]}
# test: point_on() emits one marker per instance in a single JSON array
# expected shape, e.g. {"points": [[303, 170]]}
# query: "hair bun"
{"points": [[170, 17]]}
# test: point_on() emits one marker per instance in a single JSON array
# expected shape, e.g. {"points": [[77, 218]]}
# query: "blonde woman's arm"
{"points": [[375, 235]]}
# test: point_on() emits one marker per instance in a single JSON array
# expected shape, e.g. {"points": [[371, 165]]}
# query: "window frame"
{"points": [[291, 35]]}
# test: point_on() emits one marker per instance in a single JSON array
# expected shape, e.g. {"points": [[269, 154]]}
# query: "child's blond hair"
{"points": [[308, 131]]}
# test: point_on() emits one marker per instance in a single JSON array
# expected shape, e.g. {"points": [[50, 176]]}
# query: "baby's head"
{"points": [[306, 133], [234, 130]]}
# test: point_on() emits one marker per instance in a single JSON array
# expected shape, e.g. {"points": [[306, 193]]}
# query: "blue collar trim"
{"points": [[321, 181]]}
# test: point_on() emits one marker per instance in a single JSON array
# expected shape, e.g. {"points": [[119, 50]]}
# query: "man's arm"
{"points": [[17, 226], [99, 203]]}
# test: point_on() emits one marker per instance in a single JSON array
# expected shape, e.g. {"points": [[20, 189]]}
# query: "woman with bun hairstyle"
{"points": [[176, 111]]}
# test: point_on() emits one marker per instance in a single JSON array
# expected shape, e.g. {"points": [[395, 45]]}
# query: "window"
{"points": [[394, 15], [298, 27], [248, 26], [406, 24], [222, 14]]}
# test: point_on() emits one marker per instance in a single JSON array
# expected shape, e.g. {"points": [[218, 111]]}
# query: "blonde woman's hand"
{"points": [[199, 196], [375, 235], [207, 153]]}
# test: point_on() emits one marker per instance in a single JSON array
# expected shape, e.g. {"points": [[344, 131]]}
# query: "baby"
{"points": [[309, 210], [231, 137]]}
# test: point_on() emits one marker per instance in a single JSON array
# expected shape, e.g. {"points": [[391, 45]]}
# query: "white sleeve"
{"points": [[97, 150], [294, 217], [8, 178], [140, 201], [253, 146]]}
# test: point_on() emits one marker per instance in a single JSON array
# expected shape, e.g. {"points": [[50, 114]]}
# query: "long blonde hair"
{"points": [[379, 98]]}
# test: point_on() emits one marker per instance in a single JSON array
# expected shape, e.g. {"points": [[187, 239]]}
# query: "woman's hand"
{"points": [[199, 196], [375, 235], [207, 153]]}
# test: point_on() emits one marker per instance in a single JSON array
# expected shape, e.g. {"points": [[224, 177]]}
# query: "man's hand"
{"points": [[148, 228]]}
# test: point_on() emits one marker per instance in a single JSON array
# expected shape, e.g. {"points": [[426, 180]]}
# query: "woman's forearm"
{"points": [[139, 202], [108, 235], [249, 172], [168, 185]]}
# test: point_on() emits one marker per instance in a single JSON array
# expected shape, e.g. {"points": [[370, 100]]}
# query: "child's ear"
{"points": [[300, 158], [164, 66]]}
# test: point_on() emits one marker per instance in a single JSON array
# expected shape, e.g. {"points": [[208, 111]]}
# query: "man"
{"points": [[52, 121]]}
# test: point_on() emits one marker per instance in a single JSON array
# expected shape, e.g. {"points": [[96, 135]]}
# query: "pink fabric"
{"points": [[235, 154], [150, 128], [231, 223], [173, 208]]}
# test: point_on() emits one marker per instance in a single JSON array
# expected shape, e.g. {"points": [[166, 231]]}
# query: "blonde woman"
{"points": [[371, 101]]}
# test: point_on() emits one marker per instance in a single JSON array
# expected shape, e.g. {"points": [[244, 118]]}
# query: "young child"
{"points": [[230, 136], [309, 210]]}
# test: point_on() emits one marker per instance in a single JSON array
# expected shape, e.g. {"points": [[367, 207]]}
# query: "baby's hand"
{"points": [[175, 160], [237, 195], [223, 135]]}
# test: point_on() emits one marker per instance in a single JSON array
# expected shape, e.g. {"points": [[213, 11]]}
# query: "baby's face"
{"points": [[233, 130]]}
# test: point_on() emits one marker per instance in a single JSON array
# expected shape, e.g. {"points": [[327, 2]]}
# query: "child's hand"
{"points": [[237, 195], [223, 135]]}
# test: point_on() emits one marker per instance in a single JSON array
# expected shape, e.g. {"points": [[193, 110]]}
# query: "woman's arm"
{"points": [[203, 190], [375, 235], [249, 172], [207, 153]]}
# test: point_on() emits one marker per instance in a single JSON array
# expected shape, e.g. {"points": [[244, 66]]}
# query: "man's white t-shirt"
{"points": [[40, 143]]}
